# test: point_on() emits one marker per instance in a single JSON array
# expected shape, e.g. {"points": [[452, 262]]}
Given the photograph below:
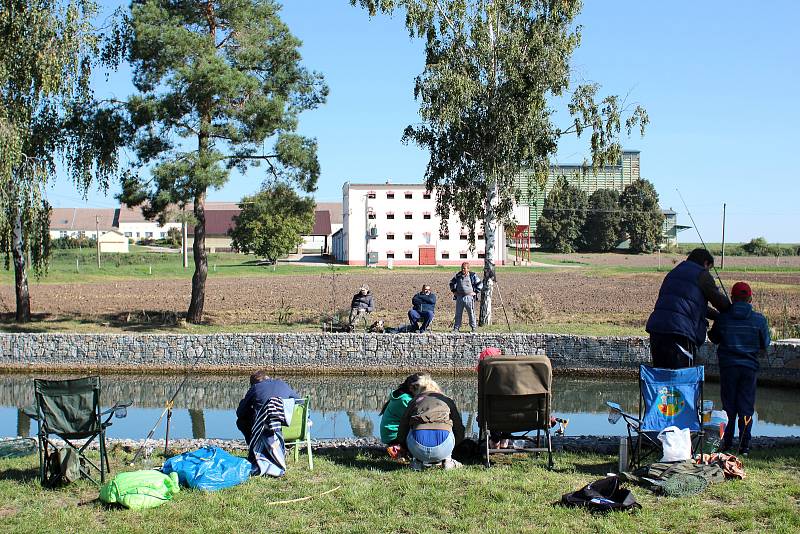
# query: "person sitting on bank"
{"points": [[422, 308], [392, 411], [465, 287], [262, 389], [679, 322], [361, 306], [740, 334], [431, 426]]}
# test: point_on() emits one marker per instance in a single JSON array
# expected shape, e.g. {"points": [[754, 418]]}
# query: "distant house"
{"points": [[113, 242], [218, 222], [670, 228], [132, 223], [81, 222], [327, 221]]}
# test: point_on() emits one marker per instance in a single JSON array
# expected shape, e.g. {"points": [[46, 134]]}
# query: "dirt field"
{"points": [[564, 295]]}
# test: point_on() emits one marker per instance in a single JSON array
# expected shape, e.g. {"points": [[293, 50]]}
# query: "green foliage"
{"points": [[272, 222], [65, 243], [642, 219], [601, 231], [563, 217], [226, 74], [758, 246]]}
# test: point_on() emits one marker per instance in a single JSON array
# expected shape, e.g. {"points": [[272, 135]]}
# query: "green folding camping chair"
{"points": [[70, 411], [299, 432]]}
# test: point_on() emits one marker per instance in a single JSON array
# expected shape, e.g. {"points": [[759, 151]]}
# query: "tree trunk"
{"points": [[195, 313], [489, 233], [198, 424], [20, 276]]}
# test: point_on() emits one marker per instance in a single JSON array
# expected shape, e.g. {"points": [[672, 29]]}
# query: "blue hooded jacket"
{"points": [[740, 333], [681, 305]]}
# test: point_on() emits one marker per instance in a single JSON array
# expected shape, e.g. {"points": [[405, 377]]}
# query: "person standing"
{"points": [[740, 334], [423, 305], [465, 287], [361, 306], [679, 321]]}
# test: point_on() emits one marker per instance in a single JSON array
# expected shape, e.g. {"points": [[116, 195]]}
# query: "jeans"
{"points": [[357, 314], [738, 391], [431, 455], [415, 317], [465, 303]]}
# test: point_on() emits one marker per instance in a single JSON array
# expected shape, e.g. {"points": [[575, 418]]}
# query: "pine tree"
{"points": [[216, 80]]}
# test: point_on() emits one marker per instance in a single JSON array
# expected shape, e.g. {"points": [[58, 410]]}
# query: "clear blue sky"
{"points": [[720, 81]]}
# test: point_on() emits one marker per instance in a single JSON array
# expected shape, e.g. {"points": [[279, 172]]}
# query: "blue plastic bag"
{"points": [[208, 469]]}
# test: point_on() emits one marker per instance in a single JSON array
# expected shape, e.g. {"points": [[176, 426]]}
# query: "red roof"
{"points": [[218, 222], [322, 223]]}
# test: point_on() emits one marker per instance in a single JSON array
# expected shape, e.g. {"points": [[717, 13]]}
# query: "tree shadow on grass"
{"points": [[362, 459], [20, 475], [599, 469]]}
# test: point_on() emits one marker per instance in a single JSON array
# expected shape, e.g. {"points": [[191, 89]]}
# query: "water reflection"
{"points": [[346, 406]]}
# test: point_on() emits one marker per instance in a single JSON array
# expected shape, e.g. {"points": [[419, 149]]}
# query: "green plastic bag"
{"points": [[138, 490]]}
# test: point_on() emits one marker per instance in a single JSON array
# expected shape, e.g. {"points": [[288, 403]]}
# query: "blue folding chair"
{"points": [[667, 397]]}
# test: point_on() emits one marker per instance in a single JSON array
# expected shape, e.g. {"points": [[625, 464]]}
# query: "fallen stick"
{"points": [[305, 498]]}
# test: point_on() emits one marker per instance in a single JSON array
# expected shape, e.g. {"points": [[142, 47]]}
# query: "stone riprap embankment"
{"points": [[344, 353]]}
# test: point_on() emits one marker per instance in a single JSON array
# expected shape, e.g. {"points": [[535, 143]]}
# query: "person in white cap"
{"points": [[361, 306]]}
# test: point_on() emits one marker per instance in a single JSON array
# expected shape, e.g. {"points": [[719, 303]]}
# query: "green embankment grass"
{"points": [[377, 495]]}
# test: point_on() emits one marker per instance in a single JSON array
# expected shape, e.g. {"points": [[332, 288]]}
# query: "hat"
{"points": [[741, 290]]}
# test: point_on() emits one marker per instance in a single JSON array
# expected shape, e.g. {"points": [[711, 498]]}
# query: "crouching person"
{"points": [[268, 404], [431, 426]]}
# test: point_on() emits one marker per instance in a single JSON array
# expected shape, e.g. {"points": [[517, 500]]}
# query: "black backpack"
{"points": [[604, 495]]}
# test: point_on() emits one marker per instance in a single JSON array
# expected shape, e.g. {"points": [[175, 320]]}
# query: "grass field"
{"points": [[377, 495]]}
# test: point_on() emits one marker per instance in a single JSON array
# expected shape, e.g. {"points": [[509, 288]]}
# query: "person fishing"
{"points": [[679, 321]]}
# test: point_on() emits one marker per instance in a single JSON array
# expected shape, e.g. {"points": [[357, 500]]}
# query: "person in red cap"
{"points": [[740, 335]]}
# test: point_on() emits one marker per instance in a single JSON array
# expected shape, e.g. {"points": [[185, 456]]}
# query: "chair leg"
{"points": [[488, 462], [549, 451], [42, 460], [310, 457]]}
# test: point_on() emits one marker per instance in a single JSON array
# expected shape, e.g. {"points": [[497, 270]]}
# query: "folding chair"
{"points": [[70, 410], [299, 432], [514, 395], [667, 397]]}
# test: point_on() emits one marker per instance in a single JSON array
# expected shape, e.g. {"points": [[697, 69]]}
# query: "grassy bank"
{"points": [[376, 495]]}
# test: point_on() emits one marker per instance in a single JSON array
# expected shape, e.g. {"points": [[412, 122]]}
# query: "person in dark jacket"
{"points": [[422, 309], [465, 287], [679, 322], [262, 389], [361, 306], [740, 334], [431, 426]]}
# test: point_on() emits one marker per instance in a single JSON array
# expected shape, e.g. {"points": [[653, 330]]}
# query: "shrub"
{"points": [[530, 309]]}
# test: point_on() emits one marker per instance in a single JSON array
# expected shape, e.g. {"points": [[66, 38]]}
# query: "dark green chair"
{"points": [[70, 411]]}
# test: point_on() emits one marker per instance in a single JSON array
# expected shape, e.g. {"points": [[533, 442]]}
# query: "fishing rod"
{"points": [[697, 229], [166, 411]]}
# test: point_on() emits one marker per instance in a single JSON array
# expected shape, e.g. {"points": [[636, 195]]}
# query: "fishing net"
{"points": [[17, 447], [683, 485]]}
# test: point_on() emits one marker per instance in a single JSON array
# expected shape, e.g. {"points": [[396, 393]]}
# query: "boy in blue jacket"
{"points": [[741, 334]]}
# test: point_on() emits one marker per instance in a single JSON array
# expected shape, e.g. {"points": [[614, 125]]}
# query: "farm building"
{"points": [[81, 222], [113, 242], [397, 223]]}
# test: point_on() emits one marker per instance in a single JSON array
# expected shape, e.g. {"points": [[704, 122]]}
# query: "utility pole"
{"points": [[722, 262], [97, 237]]}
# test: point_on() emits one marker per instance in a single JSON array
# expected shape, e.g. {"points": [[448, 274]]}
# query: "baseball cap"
{"points": [[741, 290]]}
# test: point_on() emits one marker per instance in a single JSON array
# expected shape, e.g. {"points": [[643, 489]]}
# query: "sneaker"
{"points": [[449, 463], [744, 451], [416, 465]]}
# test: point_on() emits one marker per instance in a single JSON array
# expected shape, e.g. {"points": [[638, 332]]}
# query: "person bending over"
{"points": [[393, 410], [422, 308], [262, 388], [740, 334]]}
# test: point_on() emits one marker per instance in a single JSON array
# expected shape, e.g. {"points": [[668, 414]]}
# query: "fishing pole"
{"points": [[166, 411], [697, 229]]}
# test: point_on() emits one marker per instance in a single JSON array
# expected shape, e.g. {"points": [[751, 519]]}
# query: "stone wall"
{"points": [[340, 353]]}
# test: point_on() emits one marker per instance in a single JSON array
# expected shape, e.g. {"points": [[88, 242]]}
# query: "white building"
{"points": [[132, 224], [113, 241], [80, 222], [397, 223]]}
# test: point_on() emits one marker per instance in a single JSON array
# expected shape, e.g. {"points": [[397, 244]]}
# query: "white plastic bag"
{"points": [[677, 444]]}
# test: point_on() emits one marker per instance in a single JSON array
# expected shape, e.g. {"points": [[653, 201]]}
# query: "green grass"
{"points": [[377, 495]]}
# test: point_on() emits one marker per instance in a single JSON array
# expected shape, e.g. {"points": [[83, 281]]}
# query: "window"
{"points": [[370, 214], [481, 236], [445, 255], [463, 237], [163, 235], [409, 236], [426, 215], [409, 215], [138, 234], [390, 215], [409, 195], [390, 255], [409, 255], [481, 255], [463, 255], [81, 234], [444, 236], [148, 234], [371, 194], [63, 234], [426, 195], [128, 234], [389, 195], [389, 236]]}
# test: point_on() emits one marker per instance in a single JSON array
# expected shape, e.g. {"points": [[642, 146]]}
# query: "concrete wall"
{"points": [[338, 353]]}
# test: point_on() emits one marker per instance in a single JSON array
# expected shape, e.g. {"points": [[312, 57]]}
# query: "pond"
{"points": [[347, 406]]}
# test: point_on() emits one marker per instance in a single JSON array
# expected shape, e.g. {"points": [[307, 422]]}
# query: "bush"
{"points": [[531, 309], [64, 243]]}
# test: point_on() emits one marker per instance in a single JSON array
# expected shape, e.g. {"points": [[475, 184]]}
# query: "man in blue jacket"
{"points": [[422, 308], [678, 324], [465, 287], [741, 334]]}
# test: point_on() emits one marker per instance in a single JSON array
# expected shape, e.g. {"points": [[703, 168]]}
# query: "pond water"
{"points": [[347, 406]]}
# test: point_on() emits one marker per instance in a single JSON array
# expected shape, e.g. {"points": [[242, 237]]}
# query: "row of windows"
{"points": [[445, 255], [408, 195], [390, 216], [443, 237], [162, 235]]}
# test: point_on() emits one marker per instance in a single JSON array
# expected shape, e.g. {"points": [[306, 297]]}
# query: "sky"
{"points": [[719, 80]]}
